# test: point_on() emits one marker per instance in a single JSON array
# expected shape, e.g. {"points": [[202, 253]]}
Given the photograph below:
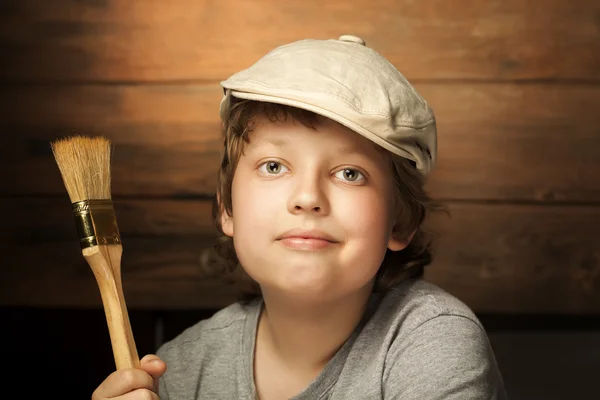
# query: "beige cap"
{"points": [[349, 83]]}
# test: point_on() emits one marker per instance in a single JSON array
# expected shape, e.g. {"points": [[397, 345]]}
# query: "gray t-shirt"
{"points": [[415, 342]]}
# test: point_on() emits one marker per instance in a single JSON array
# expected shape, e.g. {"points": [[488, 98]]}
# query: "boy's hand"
{"points": [[130, 384]]}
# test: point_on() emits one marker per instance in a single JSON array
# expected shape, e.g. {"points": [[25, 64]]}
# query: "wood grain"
{"points": [[50, 219], [109, 40], [157, 273], [496, 257], [521, 258], [524, 142]]}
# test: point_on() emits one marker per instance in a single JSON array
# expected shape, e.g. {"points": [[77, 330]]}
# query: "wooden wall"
{"points": [[514, 84]]}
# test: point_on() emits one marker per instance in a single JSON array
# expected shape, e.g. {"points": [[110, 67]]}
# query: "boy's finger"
{"points": [[153, 365], [149, 357], [124, 381]]}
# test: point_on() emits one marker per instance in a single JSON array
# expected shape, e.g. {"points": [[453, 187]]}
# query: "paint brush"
{"points": [[84, 164]]}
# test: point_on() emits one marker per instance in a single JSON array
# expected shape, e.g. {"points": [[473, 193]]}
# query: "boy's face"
{"points": [[312, 210]]}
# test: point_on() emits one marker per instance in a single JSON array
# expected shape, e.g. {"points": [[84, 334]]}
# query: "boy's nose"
{"points": [[308, 197]]}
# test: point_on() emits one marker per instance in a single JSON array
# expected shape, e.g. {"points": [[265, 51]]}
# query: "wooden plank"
{"points": [[157, 272], [496, 141], [521, 258], [50, 219], [497, 258], [68, 40], [516, 142], [167, 138]]}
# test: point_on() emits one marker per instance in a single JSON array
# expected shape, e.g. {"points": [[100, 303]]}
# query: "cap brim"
{"points": [[326, 113]]}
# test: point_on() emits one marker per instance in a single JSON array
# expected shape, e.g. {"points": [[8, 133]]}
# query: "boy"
{"points": [[320, 196]]}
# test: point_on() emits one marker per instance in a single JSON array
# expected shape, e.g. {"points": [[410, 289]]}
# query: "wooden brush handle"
{"points": [[115, 253], [105, 261]]}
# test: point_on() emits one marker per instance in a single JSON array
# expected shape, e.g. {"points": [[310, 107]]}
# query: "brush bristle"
{"points": [[84, 164]]}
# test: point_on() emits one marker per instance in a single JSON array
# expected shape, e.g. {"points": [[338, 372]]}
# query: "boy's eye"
{"points": [[271, 167], [350, 175]]}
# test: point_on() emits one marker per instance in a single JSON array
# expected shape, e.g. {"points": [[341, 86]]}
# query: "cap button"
{"points": [[352, 38]]}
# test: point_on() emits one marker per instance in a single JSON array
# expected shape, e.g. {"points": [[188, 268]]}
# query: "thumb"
{"points": [[154, 366]]}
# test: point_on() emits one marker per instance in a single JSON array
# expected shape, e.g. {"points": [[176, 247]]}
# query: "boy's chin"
{"points": [[307, 288]]}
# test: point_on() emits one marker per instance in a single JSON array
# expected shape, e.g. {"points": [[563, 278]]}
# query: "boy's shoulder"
{"points": [[430, 341], [416, 301], [223, 324]]}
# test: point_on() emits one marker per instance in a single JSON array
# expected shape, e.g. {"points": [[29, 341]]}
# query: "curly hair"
{"points": [[412, 203]]}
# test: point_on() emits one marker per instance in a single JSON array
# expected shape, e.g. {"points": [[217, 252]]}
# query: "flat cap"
{"points": [[348, 82]]}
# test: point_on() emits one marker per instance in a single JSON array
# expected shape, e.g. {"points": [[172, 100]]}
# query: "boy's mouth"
{"points": [[300, 239], [307, 234]]}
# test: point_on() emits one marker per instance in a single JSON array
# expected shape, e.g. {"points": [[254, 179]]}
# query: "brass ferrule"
{"points": [[96, 223]]}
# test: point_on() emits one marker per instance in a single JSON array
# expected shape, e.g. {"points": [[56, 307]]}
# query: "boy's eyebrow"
{"points": [[273, 141], [350, 150], [277, 142], [280, 142]]}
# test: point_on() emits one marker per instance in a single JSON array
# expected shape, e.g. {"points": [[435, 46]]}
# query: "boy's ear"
{"points": [[399, 242], [226, 223], [226, 219]]}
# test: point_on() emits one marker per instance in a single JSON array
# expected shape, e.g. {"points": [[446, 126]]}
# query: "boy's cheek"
{"points": [[363, 212], [254, 214]]}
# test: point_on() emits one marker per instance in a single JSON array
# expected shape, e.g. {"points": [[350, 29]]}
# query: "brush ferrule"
{"points": [[96, 223]]}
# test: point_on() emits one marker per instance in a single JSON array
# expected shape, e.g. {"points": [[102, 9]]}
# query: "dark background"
{"points": [[515, 88]]}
